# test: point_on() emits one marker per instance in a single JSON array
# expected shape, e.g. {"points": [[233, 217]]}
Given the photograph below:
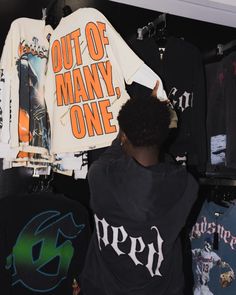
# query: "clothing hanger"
{"points": [[223, 196], [220, 191], [151, 28], [161, 33], [42, 184], [44, 13], [161, 40], [66, 10], [161, 37], [50, 18], [220, 51], [156, 29], [51, 4]]}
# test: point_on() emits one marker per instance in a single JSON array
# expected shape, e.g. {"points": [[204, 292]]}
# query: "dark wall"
{"points": [[12, 9], [205, 36], [126, 19]]}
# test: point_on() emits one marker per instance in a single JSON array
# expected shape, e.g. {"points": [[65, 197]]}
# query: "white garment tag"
{"points": [[161, 51]]}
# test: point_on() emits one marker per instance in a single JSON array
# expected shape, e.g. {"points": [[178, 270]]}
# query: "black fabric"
{"points": [[216, 122], [230, 90], [131, 204], [221, 116], [43, 242], [182, 74]]}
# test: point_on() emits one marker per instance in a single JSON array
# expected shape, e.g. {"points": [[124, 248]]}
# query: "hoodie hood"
{"points": [[137, 192]]}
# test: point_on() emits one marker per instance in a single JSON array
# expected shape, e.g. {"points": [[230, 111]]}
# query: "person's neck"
{"points": [[146, 156]]}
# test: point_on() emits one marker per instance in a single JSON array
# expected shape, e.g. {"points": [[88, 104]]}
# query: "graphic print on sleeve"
{"points": [[23, 66], [31, 65]]}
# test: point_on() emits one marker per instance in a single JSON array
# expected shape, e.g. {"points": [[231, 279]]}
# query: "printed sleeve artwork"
{"points": [[33, 126], [25, 129], [2, 80], [87, 79]]}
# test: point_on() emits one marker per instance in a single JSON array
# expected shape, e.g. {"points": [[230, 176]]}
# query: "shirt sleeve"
{"points": [[5, 91], [148, 78], [133, 68], [127, 59]]}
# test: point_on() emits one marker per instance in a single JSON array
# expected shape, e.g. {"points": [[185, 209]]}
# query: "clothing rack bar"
{"points": [[150, 28], [220, 50], [229, 45], [217, 181]]}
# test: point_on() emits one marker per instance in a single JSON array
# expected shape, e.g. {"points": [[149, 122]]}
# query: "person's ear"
{"points": [[155, 89], [123, 138]]}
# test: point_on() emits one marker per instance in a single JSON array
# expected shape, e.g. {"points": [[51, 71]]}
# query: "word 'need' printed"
{"points": [[85, 87], [114, 237]]}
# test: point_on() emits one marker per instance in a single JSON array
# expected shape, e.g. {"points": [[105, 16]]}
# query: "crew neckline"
{"points": [[64, 18], [213, 208]]}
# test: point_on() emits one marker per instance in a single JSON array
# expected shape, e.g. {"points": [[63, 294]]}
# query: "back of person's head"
{"points": [[145, 121]]}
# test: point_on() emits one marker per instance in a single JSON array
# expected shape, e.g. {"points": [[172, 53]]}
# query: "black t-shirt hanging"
{"points": [[221, 115], [181, 70], [43, 242]]}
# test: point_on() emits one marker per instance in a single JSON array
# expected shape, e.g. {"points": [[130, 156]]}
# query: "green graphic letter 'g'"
{"points": [[43, 251]]}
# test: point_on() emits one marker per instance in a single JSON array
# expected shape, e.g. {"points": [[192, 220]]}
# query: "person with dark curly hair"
{"points": [[140, 206], [144, 127]]}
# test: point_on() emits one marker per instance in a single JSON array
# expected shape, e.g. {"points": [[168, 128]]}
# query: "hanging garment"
{"points": [[44, 240], [221, 114], [230, 90], [216, 122], [24, 119], [25, 128], [180, 69], [88, 66], [139, 213], [213, 242]]}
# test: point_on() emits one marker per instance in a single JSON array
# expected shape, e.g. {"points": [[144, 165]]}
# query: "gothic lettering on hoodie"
{"points": [[115, 237], [85, 88], [181, 100]]}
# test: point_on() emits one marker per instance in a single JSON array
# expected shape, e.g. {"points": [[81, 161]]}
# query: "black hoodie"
{"points": [[139, 213]]}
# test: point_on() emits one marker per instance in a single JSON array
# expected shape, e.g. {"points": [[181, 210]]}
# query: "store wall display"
{"points": [[201, 38], [177, 26], [62, 101]]}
